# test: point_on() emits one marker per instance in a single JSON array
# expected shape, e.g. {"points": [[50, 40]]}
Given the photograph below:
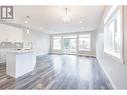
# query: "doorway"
{"points": [[69, 45]]}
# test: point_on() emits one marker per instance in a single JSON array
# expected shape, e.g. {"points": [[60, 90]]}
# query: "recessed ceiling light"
{"points": [[81, 21], [25, 21]]}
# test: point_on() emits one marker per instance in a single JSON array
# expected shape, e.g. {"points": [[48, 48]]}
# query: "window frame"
{"points": [[108, 20], [85, 50]]}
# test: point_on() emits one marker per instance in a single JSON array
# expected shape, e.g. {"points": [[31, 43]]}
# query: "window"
{"points": [[57, 43], [84, 42], [113, 30]]}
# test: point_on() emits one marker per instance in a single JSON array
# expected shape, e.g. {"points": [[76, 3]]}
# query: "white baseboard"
{"points": [[86, 55], [72, 54], [109, 78]]}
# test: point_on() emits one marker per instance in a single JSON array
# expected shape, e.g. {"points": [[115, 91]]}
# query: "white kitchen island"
{"points": [[20, 62]]}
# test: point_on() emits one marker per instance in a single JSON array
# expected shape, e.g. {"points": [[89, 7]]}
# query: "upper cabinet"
{"points": [[10, 33]]}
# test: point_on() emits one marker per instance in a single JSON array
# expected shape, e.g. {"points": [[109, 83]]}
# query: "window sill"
{"points": [[114, 57]]}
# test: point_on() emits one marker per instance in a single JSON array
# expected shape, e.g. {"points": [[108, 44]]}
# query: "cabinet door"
{"points": [[10, 33], [3, 33], [2, 56], [15, 34]]}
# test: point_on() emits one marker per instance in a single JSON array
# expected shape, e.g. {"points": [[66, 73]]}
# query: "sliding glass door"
{"points": [[69, 44]]}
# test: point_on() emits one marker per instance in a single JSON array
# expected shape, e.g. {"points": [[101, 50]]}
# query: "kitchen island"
{"points": [[20, 62]]}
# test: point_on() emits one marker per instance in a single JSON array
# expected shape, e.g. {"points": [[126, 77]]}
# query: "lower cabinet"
{"points": [[2, 57]]}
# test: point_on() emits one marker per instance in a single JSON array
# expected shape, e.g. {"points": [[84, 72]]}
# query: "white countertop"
{"points": [[20, 51]]}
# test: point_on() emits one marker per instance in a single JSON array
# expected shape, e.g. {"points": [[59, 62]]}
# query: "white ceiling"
{"points": [[50, 18]]}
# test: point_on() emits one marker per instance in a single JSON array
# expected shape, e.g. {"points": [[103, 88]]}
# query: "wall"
{"points": [[40, 41], [85, 53], [115, 71]]}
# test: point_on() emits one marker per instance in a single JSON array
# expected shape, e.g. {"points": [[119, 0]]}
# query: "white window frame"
{"points": [[113, 12]]}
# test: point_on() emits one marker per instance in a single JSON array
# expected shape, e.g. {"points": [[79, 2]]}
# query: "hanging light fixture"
{"points": [[26, 22], [27, 31], [66, 18]]}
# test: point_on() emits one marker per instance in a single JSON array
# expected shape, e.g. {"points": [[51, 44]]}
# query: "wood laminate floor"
{"points": [[59, 72]]}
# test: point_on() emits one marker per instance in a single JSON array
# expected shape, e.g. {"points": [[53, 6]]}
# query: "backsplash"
{"points": [[16, 45], [5, 46]]}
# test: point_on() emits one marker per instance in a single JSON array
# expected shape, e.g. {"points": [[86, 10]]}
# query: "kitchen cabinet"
{"points": [[10, 33], [2, 56]]}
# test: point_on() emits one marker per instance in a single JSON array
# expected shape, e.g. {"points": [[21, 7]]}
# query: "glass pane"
{"points": [[66, 43], [112, 33], [84, 42], [117, 36], [57, 43], [72, 45], [69, 45]]}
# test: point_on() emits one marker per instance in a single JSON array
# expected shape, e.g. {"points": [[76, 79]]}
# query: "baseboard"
{"points": [[42, 55], [74, 54], [109, 78], [86, 55]]}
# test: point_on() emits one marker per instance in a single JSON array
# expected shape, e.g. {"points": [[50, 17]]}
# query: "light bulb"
{"points": [[27, 31]]}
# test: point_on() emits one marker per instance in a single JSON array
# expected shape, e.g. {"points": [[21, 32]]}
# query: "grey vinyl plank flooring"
{"points": [[61, 72]]}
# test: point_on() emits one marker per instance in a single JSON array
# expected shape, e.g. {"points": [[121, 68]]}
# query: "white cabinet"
{"points": [[10, 33], [2, 56]]}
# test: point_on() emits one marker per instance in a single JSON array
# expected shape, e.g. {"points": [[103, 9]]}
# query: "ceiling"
{"points": [[49, 19]]}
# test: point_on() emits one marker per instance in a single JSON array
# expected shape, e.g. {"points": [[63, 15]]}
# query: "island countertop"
{"points": [[20, 51]]}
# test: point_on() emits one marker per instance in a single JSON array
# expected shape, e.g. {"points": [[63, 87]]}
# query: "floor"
{"points": [[59, 72]]}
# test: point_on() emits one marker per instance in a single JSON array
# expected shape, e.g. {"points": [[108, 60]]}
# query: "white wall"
{"points": [[115, 71], [40, 41]]}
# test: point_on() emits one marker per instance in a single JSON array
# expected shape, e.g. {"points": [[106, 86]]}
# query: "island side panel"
{"points": [[11, 64], [25, 63]]}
